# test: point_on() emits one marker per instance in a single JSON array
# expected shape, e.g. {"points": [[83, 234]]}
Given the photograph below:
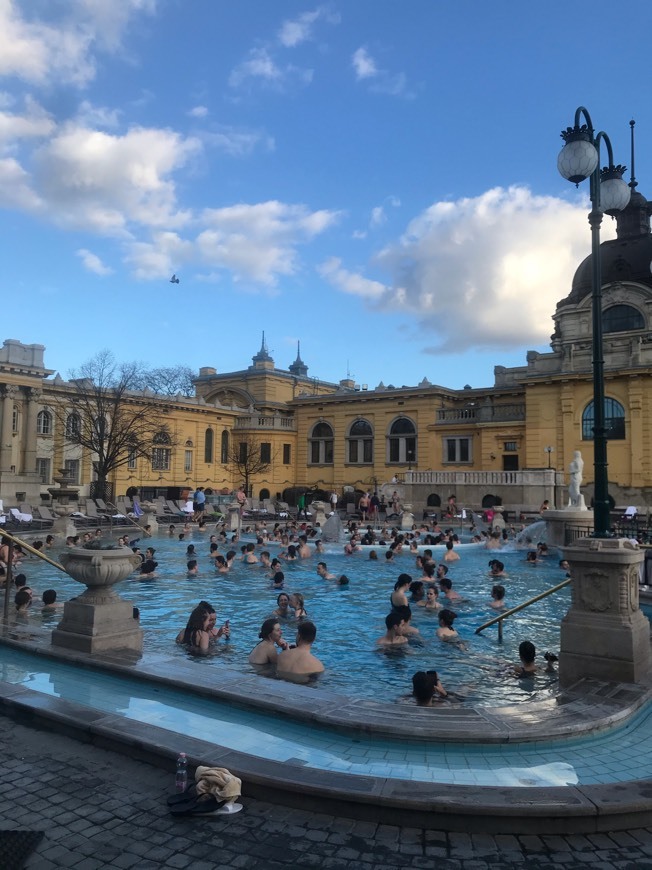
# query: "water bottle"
{"points": [[181, 779]]}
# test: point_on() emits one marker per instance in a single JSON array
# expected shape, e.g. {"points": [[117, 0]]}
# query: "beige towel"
{"points": [[218, 781]]}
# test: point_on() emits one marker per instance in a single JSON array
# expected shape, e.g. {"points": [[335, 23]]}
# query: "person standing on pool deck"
{"points": [[300, 660], [334, 502]]}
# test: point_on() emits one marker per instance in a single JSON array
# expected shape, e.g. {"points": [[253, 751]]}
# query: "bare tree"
{"points": [[169, 380], [101, 410], [249, 457]]}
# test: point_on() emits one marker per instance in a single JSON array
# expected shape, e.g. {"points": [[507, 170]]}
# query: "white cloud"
{"points": [[89, 115], [16, 188], [261, 68], [103, 182], [198, 112], [165, 254], [380, 80], [34, 123], [238, 143], [350, 282], [364, 64], [47, 52], [93, 263], [300, 29], [486, 271]]}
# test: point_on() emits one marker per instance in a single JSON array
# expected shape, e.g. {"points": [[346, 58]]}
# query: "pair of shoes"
{"points": [[203, 805], [184, 796]]}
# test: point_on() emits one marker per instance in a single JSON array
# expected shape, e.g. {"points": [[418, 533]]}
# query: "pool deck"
{"points": [[587, 707]]}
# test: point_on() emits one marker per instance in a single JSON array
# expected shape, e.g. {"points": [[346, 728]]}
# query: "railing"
{"points": [[542, 477], [499, 619], [482, 414], [11, 540], [287, 424]]}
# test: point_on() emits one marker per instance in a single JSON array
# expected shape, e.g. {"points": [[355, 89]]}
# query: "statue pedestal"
{"points": [[318, 511], [604, 635], [407, 518], [98, 620], [87, 627], [558, 520], [234, 517]]}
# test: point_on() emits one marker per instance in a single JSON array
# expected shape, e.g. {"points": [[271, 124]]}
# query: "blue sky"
{"points": [[375, 179]]}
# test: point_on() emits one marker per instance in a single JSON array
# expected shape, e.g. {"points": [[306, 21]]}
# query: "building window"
{"points": [[187, 461], [622, 318], [73, 426], [264, 493], [510, 446], [402, 441], [614, 421], [15, 420], [243, 451], [71, 467], [321, 444], [43, 469], [132, 459], [162, 438], [224, 449], [161, 459], [208, 446], [360, 442], [44, 423], [457, 450], [287, 454], [265, 452]]}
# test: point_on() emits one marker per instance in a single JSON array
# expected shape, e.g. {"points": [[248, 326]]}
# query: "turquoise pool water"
{"points": [[350, 619], [618, 755]]}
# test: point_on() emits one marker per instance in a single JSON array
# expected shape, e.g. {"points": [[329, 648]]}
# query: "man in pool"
{"points": [[394, 623], [324, 573], [300, 661]]}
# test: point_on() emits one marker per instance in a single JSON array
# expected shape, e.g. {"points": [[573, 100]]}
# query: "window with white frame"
{"points": [[73, 425], [44, 423], [402, 441], [132, 459], [321, 445], [161, 458], [224, 448], [72, 470], [43, 467], [360, 443], [187, 461], [458, 450], [15, 420]]}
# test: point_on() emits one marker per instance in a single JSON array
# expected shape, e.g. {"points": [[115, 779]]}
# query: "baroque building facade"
{"points": [[507, 443]]}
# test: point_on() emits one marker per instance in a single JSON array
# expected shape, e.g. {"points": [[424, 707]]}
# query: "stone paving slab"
{"points": [[102, 810]]}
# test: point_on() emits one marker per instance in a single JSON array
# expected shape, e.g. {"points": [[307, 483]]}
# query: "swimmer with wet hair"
{"points": [[394, 623], [527, 654], [497, 597], [446, 630], [425, 686]]}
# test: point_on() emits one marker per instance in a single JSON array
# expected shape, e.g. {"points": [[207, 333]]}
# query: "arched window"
{"points": [[73, 425], [264, 493], [224, 449], [433, 500], [208, 446], [162, 438], [161, 455], [622, 318], [44, 423], [614, 421], [321, 445], [402, 441], [360, 441]]}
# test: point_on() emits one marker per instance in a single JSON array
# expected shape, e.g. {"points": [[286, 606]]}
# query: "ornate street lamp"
{"points": [[549, 450], [578, 160]]}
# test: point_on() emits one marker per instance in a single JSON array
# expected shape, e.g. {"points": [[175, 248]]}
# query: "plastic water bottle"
{"points": [[181, 779]]}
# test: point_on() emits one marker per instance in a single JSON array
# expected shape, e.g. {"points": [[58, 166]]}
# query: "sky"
{"points": [[374, 179]]}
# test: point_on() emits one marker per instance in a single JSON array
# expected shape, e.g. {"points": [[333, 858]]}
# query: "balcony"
{"points": [[473, 414], [274, 422]]}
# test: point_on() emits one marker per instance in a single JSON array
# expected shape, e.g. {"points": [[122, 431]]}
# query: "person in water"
{"points": [[425, 687], [446, 630], [271, 636], [300, 661], [497, 597], [394, 636]]}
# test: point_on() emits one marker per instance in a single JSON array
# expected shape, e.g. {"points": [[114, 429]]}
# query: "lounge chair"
{"points": [[93, 514], [20, 518]]}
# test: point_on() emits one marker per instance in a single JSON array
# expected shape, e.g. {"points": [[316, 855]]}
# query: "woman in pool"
{"points": [[417, 591], [398, 598], [220, 565], [531, 557], [283, 607], [271, 636], [425, 687], [430, 602], [196, 636], [296, 603], [446, 631]]}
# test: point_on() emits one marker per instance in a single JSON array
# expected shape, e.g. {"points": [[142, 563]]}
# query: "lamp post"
{"points": [[578, 160], [549, 450]]}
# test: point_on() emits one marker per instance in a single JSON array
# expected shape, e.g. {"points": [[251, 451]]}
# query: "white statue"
{"points": [[576, 467]]}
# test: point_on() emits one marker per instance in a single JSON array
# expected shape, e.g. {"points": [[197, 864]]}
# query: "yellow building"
{"points": [[510, 442]]}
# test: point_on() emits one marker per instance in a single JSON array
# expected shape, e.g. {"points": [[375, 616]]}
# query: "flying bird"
{"points": [[174, 280]]}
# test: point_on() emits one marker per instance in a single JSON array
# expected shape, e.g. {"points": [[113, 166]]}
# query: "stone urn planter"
{"points": [[99, 619]]}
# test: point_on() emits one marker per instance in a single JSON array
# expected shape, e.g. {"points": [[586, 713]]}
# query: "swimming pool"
{"points": [[349, 619], [620, 754]]}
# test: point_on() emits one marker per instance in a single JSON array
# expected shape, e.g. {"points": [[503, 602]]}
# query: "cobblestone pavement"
{"points": [[100, 809]]}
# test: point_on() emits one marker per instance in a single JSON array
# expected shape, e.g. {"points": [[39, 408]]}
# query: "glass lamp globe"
{"points": [[577, 160], [614, 192]]}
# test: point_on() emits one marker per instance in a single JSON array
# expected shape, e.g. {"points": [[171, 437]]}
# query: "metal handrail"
{"points": [[499, 619], [32, 550], [8, 576]]}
